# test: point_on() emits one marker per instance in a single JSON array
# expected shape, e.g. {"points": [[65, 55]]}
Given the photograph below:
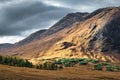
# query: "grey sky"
{"points": [[19, 18]]}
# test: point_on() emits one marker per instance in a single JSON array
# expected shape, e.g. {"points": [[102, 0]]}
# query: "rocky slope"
{"points": [[95, 36]]}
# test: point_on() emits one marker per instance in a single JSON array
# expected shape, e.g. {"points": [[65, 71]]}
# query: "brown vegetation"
{"points": [[69, 73]]}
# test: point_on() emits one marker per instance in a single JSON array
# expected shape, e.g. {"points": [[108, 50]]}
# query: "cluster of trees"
{"points": [[70, 62], [48, 66], [57, 65], [107, 66], [96, 64], [13, 61]]}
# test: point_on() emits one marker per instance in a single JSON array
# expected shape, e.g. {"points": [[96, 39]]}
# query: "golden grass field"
{"points": [[71, 73]]}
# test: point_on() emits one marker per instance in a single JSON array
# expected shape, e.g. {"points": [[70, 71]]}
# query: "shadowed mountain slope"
{"points": [[6, 45]]}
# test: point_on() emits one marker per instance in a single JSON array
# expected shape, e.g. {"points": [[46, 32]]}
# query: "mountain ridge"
{"points": [[95, 36], [63, 23]]}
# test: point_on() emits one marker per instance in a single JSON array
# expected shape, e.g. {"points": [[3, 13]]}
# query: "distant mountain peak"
{"points": [[5, 46]]}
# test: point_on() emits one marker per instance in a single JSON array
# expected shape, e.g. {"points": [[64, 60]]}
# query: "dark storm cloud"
{"points": [[4, 0], [90, 2], [17, 17], [86, 5], [94, 3]]}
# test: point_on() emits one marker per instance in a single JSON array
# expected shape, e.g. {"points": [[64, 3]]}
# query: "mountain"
{"points": [[63, 23], [5, 46], [94, 35]]}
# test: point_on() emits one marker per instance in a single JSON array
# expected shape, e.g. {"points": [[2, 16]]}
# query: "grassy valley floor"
{"points": [[70, 73]]}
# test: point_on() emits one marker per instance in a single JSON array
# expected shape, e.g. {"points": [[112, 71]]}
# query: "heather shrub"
{"points": [[109, 68], [97, 67], [83, 62]]}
